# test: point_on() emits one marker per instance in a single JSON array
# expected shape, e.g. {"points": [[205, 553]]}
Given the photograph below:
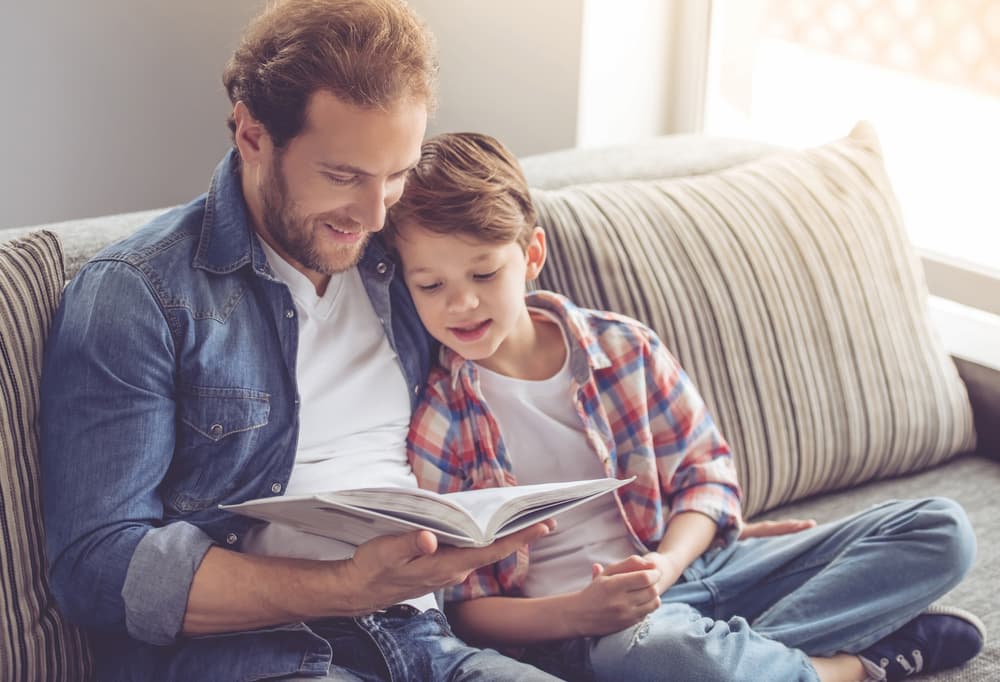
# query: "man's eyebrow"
{"points": [[355, 170], [342, 168]]}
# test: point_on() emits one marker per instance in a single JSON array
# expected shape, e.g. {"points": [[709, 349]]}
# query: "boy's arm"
{"points": [[612, 601], [688, 535], [694, 462]]}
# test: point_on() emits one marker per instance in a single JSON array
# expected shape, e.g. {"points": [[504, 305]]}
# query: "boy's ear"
{"points": [[535, 253], [252, 139]]}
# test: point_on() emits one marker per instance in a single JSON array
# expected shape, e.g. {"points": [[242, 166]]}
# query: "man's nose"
{"points": [[370, 207]]}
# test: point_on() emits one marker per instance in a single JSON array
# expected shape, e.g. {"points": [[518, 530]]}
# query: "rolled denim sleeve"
{"points": [[158, 579], [107, 441]]}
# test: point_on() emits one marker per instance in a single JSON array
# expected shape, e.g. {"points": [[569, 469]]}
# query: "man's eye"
{"points": [[341, 180], [486, 275]]}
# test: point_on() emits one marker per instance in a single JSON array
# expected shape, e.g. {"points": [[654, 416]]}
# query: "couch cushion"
{"points": [[787, 289], [37, 643]]}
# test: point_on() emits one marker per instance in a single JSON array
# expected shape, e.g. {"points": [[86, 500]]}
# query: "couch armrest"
{"points": [[983, 385]]}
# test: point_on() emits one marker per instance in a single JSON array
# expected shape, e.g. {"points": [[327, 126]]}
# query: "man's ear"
{"points": [[535, 253], [251, 136]]}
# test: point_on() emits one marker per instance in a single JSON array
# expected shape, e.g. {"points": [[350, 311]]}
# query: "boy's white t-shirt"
{"points": [[546, 443], [354, 407]]}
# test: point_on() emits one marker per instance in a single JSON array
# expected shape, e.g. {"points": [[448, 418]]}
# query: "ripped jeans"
{"points": [[756, 610]]}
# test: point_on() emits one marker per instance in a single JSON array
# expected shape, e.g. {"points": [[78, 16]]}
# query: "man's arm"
{"points": [[233, 591]]}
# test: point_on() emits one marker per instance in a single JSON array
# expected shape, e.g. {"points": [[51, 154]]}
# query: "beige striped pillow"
{"points": [[35, 642], [787, 289]]}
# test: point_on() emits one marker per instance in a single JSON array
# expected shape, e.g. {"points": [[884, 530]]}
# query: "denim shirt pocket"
{"points": [[217, 430]]}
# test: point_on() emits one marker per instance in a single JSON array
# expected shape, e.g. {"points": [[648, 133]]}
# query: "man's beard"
{"points": [[294, 233]]}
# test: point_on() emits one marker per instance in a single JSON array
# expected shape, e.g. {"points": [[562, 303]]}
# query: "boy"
{"points": [[531, 389]]}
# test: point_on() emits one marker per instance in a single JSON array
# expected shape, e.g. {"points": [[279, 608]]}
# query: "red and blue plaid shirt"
{"points": [[640, 414]]}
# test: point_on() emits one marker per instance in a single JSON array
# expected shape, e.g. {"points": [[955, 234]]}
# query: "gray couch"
{"points": [[971, 477]]}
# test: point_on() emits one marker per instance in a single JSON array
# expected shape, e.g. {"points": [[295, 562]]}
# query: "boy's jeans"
{"points": [[756, 609], [401, 643]]}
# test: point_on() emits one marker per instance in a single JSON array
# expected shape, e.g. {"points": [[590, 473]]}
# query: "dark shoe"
{"points": [[939, 638]]}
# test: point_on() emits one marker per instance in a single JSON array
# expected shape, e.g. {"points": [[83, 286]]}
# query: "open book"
{"points": [[471, 518]]}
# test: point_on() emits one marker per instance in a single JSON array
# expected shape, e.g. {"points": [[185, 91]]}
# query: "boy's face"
{"points": [[470, 293]]}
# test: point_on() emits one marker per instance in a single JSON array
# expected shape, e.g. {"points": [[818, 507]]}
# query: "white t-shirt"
{"points": [[354, 407], [546, 443]]}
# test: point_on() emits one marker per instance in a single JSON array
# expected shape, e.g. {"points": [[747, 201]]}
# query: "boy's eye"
{"points": [[429, 287], [486, 275]]}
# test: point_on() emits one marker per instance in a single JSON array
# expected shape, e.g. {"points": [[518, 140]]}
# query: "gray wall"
{"points": [[116, 105], [509, 68], [111, 105]]}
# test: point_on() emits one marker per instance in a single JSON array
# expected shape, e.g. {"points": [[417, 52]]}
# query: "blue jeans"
{"points": [[404, 644], [757, 609]]}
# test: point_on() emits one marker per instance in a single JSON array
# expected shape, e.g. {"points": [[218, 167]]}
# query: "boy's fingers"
{"points": [[760, 529], [629, 565]]}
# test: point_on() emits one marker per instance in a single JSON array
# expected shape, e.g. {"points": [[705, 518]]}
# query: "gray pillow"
{"points": [[787, 289]]}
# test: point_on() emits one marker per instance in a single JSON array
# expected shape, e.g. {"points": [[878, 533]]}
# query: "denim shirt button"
{"points": [[416, 389], [231, 539], [215, 430], [275, 488], [381, 267], [289, 313]]}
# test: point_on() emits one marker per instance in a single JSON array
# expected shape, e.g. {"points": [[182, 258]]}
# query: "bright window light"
{"points": [[925, 73]]}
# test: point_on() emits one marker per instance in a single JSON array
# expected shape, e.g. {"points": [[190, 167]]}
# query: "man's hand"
{"points": [[618, 596], [391, 569], [761, 529]]}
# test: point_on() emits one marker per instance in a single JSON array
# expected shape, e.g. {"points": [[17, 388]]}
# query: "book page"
{"points": [[463, 519], [423, 507], [493, 508]]}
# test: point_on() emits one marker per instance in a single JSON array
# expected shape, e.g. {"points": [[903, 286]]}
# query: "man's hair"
{"points": [[468, 184], [368, 53]]}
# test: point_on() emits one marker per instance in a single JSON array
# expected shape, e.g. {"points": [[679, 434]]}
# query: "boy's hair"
{"points": [[368, 53], [469, 184]]}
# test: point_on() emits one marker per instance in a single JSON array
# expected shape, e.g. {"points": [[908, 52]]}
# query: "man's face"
{"points": [[327, 191]]}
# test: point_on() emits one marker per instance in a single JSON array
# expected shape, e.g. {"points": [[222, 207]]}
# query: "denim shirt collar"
{"points": [[227, 239]]}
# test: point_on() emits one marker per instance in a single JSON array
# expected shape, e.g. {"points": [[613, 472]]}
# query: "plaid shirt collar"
{"points": [[585, 353]]}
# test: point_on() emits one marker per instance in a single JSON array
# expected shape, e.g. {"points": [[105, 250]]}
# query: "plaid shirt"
{"points": [[640, 414]]}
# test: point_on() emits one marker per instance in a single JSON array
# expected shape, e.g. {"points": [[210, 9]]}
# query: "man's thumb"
{"points": [[413, 546], [596, 570]]}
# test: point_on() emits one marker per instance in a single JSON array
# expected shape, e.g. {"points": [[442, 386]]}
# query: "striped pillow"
{"points": [[35, 642], [787, 289]]}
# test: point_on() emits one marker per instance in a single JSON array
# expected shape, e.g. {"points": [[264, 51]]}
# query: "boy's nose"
{"points": [[462, 300]]}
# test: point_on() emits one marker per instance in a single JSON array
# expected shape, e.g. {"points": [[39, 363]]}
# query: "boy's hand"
{"points": [[391, 569], [618, 596], [761, 529], [670, 569]]}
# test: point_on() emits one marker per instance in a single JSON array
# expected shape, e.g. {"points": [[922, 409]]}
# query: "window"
{"points": [[926, 73]]}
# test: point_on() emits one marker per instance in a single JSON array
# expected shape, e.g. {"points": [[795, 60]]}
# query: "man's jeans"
{"points": [[402, 644], [755, 610]]}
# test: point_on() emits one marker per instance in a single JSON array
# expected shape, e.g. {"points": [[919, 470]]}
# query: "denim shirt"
{"points": [[169, 388]]}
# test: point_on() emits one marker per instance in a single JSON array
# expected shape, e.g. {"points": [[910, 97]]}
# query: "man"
{"points": [[255, 342]]}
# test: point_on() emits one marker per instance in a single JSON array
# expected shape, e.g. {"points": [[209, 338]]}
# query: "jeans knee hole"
{"points": [[641, 630]]}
